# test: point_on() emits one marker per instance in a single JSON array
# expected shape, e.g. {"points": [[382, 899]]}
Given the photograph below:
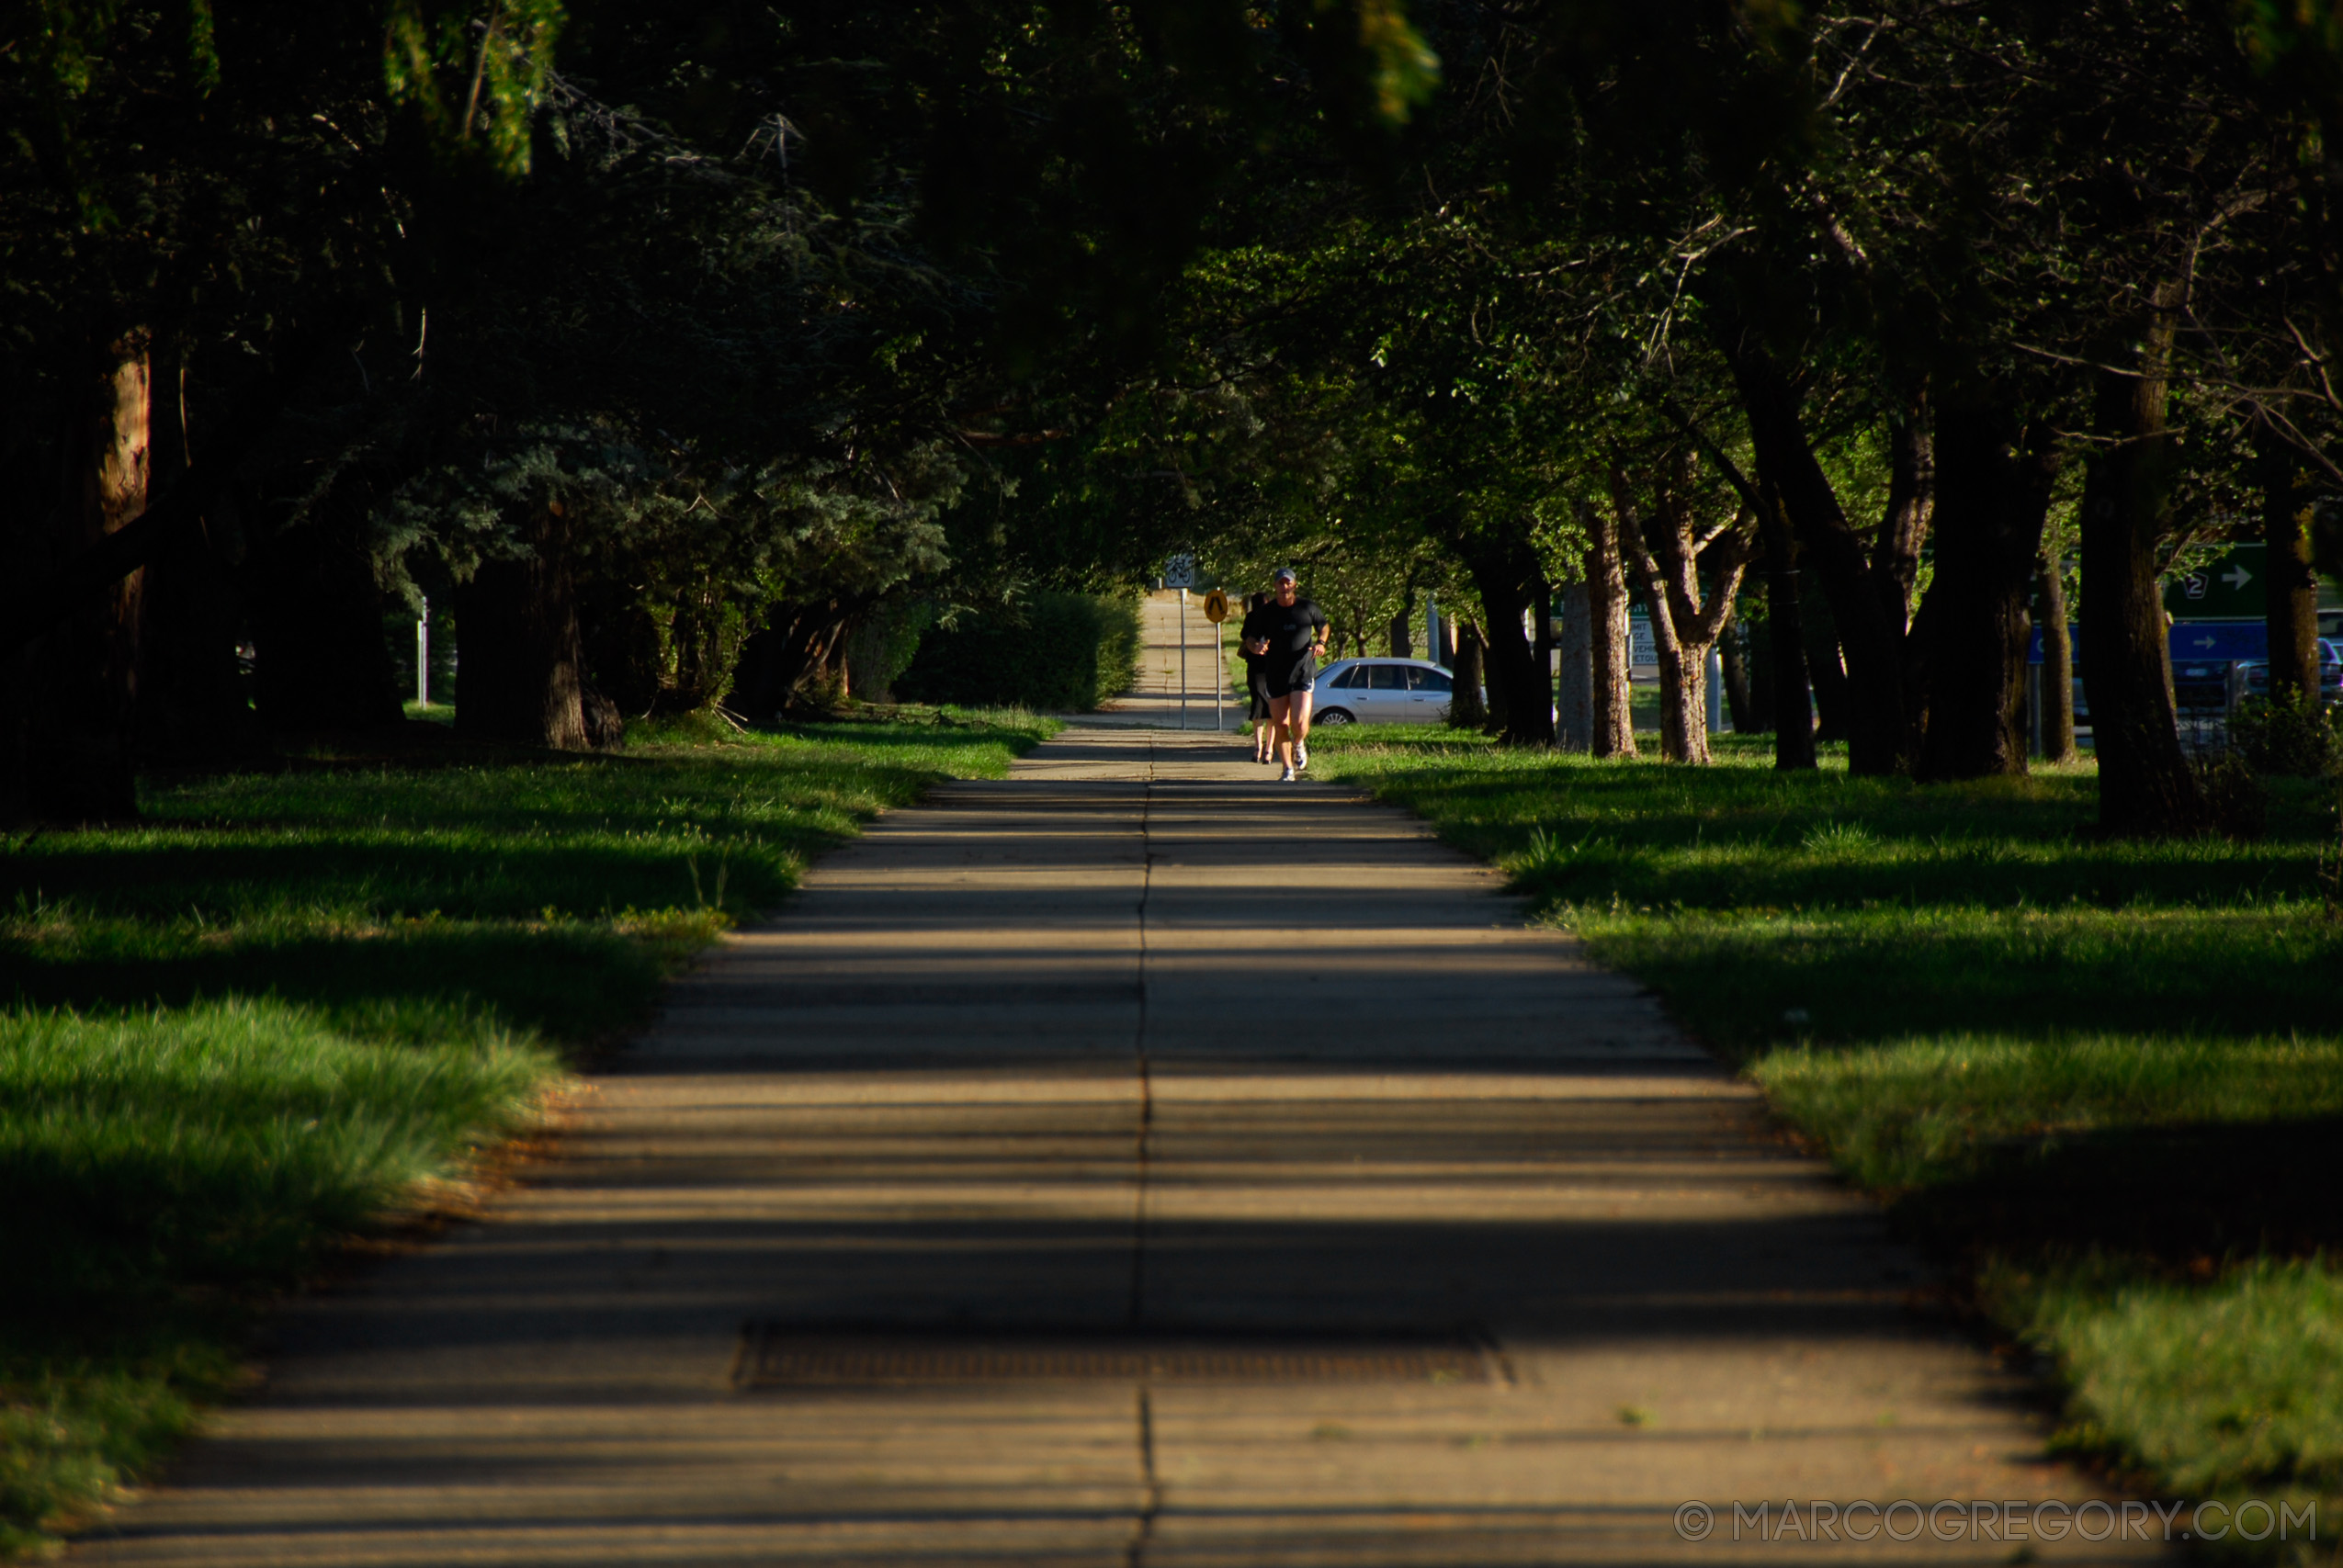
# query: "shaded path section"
{"points": [[1132, 1161]]}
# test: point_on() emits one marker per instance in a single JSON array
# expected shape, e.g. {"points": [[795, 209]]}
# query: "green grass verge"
{"points": [[291, 1008], [2106, 1077]]}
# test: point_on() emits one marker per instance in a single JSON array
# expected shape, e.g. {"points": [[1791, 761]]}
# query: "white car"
{"points": [[1382, 690]]}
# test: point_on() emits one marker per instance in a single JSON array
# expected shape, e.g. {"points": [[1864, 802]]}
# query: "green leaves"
{"points": [[476, 79], [1406, 71]]}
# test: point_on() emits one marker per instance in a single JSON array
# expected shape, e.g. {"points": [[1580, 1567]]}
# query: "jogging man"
{"points": [[1289, 633]]}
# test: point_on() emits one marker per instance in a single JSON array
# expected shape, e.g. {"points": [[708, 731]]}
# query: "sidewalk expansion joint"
{"points": [[1135, 1309]]}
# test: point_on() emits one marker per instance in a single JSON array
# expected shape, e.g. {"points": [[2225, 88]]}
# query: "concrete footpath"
{"points": [[1136, 1161], [1180, 667]]}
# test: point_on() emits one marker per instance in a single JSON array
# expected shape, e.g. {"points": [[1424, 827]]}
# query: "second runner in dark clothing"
{"points": [[1289, 629], [1254, 685]]}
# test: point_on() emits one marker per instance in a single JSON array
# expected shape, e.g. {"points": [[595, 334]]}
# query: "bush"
{"points": [[1055, 653], [2295, 736]]}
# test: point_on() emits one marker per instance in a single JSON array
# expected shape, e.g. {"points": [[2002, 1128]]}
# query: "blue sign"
{"points": [[2199, 640], [2219, 640]]}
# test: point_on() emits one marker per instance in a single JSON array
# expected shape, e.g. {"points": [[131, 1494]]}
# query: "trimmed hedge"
{"points": [[1055, 653]]}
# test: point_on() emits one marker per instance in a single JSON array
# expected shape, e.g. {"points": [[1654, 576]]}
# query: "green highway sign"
{"points": [[2228, 587]]}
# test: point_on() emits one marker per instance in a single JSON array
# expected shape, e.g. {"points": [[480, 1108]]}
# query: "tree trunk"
{"points": [[1757, 651], [695, 635], [193, 701], [1506, 576], [517, 622], [77, 686], [1739, 701], [1402, 645], [1683, 719], [1574, 690], [1612, 727], [620, 639], [1879, 732], [1785, 640], [2057, 661], [316, 617], [796, 643], [2145, 787], [1682, 628], [1826, 673], [1994, 491], [1911, 508], [2291, 605], [1466, 709]]}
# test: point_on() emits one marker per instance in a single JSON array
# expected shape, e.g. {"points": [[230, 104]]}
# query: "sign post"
{"points": [[1180, 572], [1215, 610], [423, 657]]}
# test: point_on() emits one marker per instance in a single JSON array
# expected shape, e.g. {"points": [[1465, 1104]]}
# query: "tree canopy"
{"points": [[678, 348]]}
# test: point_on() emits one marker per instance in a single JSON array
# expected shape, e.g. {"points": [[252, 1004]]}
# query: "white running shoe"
{"points": [[1301, 756], [1288, 776]]}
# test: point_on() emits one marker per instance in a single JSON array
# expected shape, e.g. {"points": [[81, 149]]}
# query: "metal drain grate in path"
{"points": [[776, 1356]]}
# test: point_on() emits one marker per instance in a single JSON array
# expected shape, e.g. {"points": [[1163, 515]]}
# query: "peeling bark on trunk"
{"points": [[2057, 661], [2292, 612], [2145, 787], [1994, 491], [521, 679], [1668, 552], [1611, 731]]}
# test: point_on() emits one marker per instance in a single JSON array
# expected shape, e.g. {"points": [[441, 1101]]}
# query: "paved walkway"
{"points": [[1132, 1162], [1163, 675]]}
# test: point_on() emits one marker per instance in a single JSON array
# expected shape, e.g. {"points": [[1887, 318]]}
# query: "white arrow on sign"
{"points": [[2236, 575], [2204, 642]]}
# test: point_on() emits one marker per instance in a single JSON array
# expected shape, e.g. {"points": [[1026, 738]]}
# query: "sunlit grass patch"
{"points": [[222, 1143], [2104, 1077], [2222, 1386], [1924, 1112], [289, 1007]]}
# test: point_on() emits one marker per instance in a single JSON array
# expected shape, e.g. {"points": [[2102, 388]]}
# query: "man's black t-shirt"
{"points": [[1290, 628]]}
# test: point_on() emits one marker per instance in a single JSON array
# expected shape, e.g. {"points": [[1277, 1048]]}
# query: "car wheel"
{"points": [[1333, 716]]}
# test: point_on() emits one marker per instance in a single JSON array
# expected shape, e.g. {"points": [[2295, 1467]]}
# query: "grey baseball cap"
{"points": [[1283, 574]]}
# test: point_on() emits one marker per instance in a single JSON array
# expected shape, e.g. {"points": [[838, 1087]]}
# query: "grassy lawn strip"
{"points": [[290, 1008], [2106, 1078]]}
